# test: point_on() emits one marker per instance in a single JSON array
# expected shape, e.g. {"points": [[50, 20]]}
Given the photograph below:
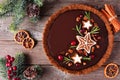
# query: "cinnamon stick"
{"points": [[111, 16]]}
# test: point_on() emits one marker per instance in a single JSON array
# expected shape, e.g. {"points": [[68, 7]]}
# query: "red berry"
{"points": [[18, 79], [77, 64], [92, 56], [8, 64], [9, 72], [12, 59], [14, 73], [9, 61], [14, 68], [11, 69], [60, 57], [9, 77], [73, 43], [8, 57], [15, 78], [82, 31], [81, 15]]}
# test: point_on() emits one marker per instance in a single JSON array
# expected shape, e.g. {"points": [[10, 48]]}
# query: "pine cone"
{"points": [[30, 73], [33, 10]]}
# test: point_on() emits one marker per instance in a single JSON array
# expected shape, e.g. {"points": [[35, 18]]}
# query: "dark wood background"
{"points": [[37, 55]]}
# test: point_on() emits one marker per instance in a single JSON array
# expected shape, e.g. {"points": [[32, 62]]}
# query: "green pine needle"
{"points": [[17, 7], [7, 6], [20, 63], [95, 30], [34, 19], [18, 10], [39, 70], [73, 46], [19, 14], [87, 14], [78, 28], [12, 28], [86, 58], [3, 69], [67, 60], [38, 2]]}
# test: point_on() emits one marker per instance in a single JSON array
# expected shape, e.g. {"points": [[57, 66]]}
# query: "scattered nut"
{"points": [[99, 37], [86, 32], [84, 63], [97, 46], [80, 51], [94, 38], [78, 19], [66, 53], [85, 18], [63, 52], [93, 49], [95, 24], [92, 20], [70, 50], [70, 64], [85, 53], [95, 35]]}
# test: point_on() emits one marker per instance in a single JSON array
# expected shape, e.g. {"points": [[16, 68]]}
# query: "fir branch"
{"points": [[20, 63], [34, 19], [22, 77], [13, 28], [3, 68], [18, 8], [7, 6], [87, 14], [39, 70], [39, 2], [19, 14], [95, 30]]}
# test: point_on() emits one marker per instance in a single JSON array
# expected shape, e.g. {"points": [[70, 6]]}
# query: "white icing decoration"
{"points": [[87, 24], [85, 42], [77, 59]]}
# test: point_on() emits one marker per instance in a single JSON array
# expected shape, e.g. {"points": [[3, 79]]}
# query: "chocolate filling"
{"points": [[61, 34]]}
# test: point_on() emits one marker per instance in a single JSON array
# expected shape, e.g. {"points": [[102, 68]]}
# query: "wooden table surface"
{"points": [[37, 55]]}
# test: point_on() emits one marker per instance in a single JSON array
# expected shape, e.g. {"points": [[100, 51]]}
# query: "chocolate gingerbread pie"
{"points": [[78, 39]]}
